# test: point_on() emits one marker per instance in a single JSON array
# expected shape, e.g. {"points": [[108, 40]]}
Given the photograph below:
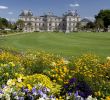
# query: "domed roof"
{"points": [[26, 13], [71, 13]]}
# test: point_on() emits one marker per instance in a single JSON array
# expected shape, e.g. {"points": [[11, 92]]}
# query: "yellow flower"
{"points": [[4, 65], [99, 94], [54, 80], [107, 98], [12, 64], [7, 74], [29, 86]]}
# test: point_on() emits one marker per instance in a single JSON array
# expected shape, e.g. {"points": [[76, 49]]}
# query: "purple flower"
{"points": [[26, 90], [69, 94], [84, 89], [76, 94], [66, 86], [51, 96], [31, 97], [44, 96], [34, 91], [14, 94], [44, 89], [73, 80], [3, 86], [1, 92], [40, 92], [21, 98]]}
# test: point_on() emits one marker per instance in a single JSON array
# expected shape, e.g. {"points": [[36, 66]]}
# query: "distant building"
{"points": [[84, 21], [49, 22]]}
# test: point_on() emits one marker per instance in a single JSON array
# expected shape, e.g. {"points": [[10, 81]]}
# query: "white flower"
{"points": [[19, 80], [7, 97], [6, 89], [41, 99], [10, 82], [108, 58], [53, 99], [66, 62], [16, 97], [48, 89], [53, 64], [91, 98], [1, 95]]}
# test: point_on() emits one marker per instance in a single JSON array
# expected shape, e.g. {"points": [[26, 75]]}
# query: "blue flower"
{"points": [[34, 91]]}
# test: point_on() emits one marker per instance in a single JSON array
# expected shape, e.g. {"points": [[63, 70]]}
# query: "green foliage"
{"points": [[29, 69], [20, 24], [42, 79], [90, 69], [8, 70], [3, 23], [105, 16]]}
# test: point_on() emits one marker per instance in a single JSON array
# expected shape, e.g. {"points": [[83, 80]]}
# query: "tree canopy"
{"points": [[3, 23], [20, 24], [104, 17]]}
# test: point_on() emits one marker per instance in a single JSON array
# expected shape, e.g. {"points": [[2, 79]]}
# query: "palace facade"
{"points": [[49, 22]]}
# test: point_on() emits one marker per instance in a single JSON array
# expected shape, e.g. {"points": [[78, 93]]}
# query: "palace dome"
{"points": [[26, 13]]}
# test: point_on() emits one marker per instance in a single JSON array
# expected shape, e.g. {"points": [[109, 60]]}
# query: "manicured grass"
{"points": [[59, 43]]}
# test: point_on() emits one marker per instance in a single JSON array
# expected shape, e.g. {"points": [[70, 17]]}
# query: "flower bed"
{"points": [[42, 76]]}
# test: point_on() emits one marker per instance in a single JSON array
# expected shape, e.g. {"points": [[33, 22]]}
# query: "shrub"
{"points": [[59, 71], [8, 70]]}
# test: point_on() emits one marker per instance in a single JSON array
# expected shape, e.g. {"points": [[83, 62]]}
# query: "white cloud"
{"points": [[3, 7], [10, 13], [74, 5]]}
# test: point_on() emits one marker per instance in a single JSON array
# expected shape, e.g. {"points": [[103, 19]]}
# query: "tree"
{"points": [[90, 25], [3, 23], [99, 24], [104, 15], [20, 24]]}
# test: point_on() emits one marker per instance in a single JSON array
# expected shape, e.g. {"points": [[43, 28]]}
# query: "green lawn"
{"points": [[59, 43]]}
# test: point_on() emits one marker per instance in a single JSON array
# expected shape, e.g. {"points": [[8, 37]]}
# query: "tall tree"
{"points": [[3, 23], [20, 24], [99, 24], [105, 16]]}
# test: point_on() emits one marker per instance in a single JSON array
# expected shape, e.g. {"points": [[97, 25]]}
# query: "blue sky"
{"points": [[86, 8]]}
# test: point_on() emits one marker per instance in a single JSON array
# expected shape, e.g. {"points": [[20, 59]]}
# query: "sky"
{"points": [[11, 9]]}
